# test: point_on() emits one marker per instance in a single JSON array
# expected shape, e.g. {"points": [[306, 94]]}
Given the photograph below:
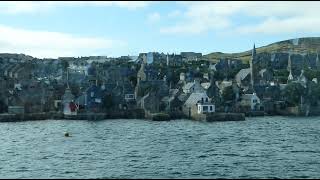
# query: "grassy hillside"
{"points": [[299, 45]]}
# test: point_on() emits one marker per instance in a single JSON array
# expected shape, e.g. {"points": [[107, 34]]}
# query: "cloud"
{"points": [[287, 25], [175, 13], [269, 17], [154, 17], [18, 7], [52, 44]]}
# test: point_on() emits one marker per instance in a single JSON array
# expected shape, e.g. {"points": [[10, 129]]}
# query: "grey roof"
{"points": [[194, 98], [188, 85], [248, 96], [242, 74]]}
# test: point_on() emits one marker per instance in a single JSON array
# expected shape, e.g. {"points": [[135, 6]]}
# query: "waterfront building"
{"points": [[196, 101], [250, 102]]}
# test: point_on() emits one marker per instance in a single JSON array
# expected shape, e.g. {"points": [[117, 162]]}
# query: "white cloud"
{"points": [[272, 17], [52, 44], [287, 25], [175, 13], [154, 17], [17, 7]]}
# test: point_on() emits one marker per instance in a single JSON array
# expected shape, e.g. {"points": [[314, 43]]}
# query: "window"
{"points": [[206, 99], [205, 108], [211, 109]]}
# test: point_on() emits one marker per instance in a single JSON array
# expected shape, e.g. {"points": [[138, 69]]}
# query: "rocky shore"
{"points": [[133, 114]]}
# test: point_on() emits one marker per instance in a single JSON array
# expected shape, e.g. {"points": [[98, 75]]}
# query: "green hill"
{"points": [[299, 45]]}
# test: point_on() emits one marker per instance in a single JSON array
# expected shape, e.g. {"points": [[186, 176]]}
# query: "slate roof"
{"points": [[194, 98], [248, 96], [242, 74], [188, 85]]}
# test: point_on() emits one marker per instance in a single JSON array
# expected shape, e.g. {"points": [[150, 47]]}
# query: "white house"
{"points": [[198, 103], [205, 107], [68, 103]]}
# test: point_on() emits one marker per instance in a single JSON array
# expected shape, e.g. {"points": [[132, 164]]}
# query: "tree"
{"points": [[313, 93], [218, 75], [293, 92], [228, 94]]}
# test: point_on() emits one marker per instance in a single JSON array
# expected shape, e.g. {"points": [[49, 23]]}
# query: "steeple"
{"points": [[254, 51], [68, 87], [317, 61], [289, 68], [251, 66]]}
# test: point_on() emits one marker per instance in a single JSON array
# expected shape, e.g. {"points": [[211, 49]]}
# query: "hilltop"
{"points": [[298, 45]]}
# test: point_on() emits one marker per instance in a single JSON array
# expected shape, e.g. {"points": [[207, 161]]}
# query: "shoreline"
{"points": [[215, 117]]}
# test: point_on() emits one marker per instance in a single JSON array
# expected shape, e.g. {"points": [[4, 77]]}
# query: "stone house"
{"points": [[249, 102]]}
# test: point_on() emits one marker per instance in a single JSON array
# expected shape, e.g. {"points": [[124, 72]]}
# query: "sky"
{"points": [[104, 28]]}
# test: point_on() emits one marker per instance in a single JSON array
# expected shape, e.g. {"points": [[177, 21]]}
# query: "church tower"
{"points": [[289, 68], [252, 70], [168, 63]]}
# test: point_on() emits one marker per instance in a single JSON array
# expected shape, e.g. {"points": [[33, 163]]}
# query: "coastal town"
{"points": [[185, 85]]}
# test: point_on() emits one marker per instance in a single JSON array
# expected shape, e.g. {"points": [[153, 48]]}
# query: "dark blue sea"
{"points": [[263, 147]]}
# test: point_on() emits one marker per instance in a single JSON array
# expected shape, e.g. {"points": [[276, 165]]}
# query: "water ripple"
{"points": [[264, 147]]}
